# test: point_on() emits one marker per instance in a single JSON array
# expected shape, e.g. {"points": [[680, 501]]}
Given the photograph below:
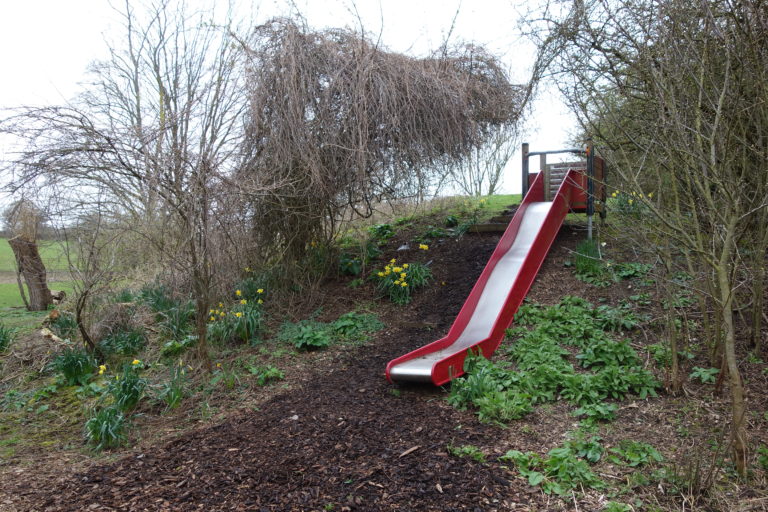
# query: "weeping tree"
{"points": [[338, 123]]}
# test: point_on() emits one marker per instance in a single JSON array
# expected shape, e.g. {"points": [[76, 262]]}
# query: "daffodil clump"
{"points": [[628, 203], [398, 281], [242, 320]]}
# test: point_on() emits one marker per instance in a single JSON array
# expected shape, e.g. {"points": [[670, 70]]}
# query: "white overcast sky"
{"points": [[46, 45]]}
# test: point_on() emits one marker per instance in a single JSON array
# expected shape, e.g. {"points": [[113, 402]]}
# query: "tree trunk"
{"points": [[31, 267]]}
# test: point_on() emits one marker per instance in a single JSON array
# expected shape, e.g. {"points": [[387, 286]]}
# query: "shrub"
{"points": [[105, 428], [76, 365], [6, 337]]}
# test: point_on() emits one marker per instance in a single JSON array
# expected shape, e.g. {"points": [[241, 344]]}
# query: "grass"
{"points": [[51, 251]]}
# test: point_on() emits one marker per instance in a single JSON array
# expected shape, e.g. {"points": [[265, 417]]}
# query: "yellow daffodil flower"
{"points": [[402, 276], [403, 284], [238, 314], [260, 301], [380, 274], [247, 269], [260, 290], [102, 369], [135, 362], [630, 201], [211, 311], [243, 301], [221, 304], [238, 293], [650, 195], [424, 247], [405, 265], [212, 319], [397, 281], [397, 269]]}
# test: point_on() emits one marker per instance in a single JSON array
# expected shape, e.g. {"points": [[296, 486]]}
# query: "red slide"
{"points": [[498, 293]]}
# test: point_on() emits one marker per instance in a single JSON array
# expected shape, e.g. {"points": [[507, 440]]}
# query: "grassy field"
{"points": [[51, 251]]}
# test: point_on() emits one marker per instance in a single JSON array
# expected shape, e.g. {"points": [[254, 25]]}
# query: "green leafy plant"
{"points": [[399, 281], [128, 388], [631, 270], [598, 411], [430, 234], [266, 374], [124, 342], [6, 337], [381, 232], [762, 456], [105, 428], [174, 391], [589, 267], [616, 319], [76, 365], [123, 296], [543, 371], [559, 472], [157, 297], [65, 326], [176, 321], [614, 506], [705, 375], [451, 221], [467, 451], [635, 453], [309, 338], [355, 327], [177, 347]]}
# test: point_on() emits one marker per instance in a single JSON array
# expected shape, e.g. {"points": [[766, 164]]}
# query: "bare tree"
{"points": [[482, 171], [155, 133]]}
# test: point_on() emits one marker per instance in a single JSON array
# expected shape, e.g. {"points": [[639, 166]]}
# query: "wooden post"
{"points": [[31, 267]]}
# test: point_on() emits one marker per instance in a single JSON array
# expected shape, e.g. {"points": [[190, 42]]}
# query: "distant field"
{"points": [[12, 312], [52, 253]]}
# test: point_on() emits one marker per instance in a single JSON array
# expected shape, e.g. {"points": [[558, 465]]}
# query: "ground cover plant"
{"points": [[539, 369]]}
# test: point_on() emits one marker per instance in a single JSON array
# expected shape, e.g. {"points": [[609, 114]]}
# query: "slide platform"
{"points": [[499, 291]]}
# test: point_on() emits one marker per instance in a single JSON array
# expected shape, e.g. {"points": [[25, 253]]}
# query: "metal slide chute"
{"points": [[500, 289]]}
